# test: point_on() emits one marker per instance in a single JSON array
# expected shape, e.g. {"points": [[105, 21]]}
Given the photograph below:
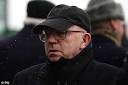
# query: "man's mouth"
{"points": [[54, 51]]}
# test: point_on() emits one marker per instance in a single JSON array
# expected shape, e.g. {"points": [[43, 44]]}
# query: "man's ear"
{"points": [[86, 40]]}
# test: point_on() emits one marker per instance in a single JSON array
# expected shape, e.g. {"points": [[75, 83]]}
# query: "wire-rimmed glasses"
{"points": [[45, 34]]}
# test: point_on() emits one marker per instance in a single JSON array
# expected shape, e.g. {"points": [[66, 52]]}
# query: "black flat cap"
{"points": [[61, 17]]}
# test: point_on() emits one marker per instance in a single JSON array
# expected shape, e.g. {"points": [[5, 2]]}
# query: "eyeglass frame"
{"points": [[57, 34]]}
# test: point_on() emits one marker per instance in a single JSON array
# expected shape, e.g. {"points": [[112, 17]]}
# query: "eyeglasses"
{"points": [[45, 34]]}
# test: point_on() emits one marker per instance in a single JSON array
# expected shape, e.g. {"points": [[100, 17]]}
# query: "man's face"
{"points": [[75, 40]]}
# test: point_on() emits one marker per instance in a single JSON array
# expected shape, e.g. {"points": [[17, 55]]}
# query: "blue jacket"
{"points": [[106, 51]]}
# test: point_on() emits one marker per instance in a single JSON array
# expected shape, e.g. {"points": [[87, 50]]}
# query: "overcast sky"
{"points": [[17, 10]]}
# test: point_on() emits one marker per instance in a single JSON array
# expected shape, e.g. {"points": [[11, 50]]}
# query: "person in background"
{"points": [[107, 19], [67, 41], [24, 49]]}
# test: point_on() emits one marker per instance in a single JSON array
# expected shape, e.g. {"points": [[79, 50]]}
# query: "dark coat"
{"points": [[78, 71], [19, 52], [124, 80], [105, 50]]}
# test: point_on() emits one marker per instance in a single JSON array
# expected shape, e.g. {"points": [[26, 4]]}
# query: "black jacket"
{"points": [[124, 79], [81, 70], [19, 52], [106, 51]]}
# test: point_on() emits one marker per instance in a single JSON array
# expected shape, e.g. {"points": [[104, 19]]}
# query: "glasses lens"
{"points": [[60, 35], [42, 36]]}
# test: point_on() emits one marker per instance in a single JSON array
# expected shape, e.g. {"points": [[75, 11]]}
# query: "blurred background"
{"points": [[13, 13]]}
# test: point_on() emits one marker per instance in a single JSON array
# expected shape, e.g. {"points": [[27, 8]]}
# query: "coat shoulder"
{"points": [[32, 69], [101, 74], [107, 68], [30, 72]]}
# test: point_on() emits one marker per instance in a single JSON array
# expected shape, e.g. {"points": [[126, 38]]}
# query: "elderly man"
{"points": [[67, 39]]}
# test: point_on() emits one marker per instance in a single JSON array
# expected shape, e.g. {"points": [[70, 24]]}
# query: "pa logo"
{"points": [[5, 83]]}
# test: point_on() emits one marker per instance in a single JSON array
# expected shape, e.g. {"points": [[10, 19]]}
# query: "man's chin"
{"points": [[54, 58]]}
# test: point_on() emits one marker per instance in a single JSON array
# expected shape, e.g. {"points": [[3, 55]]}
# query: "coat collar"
{"points": [[67, 70]]}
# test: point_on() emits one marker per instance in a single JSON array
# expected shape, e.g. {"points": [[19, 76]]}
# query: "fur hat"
{"points": [[99, 10]]}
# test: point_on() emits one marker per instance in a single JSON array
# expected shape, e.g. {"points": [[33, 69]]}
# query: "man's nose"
{"points": [[52, 39]]}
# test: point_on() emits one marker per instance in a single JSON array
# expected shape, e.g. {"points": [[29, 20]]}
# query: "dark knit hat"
{"points": [[39, 8], [99, 10], [62, 17]]}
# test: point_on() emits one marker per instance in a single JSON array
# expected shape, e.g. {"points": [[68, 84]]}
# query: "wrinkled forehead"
{"points": [[71, 28], [75, 27]]}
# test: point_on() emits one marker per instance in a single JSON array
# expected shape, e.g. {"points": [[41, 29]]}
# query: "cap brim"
{"points": [[56, 24]]}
